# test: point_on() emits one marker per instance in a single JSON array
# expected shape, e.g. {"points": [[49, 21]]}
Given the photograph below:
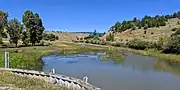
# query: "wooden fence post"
{"points": [[6, 59]]}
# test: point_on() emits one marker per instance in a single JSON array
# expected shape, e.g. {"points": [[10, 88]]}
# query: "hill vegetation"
{"points": [[145, 23], [160, 33]]}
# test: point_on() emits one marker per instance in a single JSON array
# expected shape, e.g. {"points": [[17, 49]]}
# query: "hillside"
{"points": [[152, 34], [68, 36]]}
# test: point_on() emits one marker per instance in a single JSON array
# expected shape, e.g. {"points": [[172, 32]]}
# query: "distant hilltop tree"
{"points": [[146, 22]]}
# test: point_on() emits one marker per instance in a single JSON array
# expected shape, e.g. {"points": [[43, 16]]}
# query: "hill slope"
{"points": [[68, 36], [152, 34]]}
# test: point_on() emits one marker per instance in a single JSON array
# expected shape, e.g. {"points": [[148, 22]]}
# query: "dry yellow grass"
{"points": [[10, 81], [68, 36]]}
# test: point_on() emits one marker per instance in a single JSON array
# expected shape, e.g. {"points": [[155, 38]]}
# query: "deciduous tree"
{"points": [[3, 21], [14, 29]]}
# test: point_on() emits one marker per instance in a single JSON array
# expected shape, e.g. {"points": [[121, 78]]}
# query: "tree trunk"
{"points": [[1, 42], [16, 44]]}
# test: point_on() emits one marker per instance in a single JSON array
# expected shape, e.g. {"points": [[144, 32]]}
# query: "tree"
{"points": [[39, 27], [25, 38], [14, 29], [110, 37], [94, 33], [175, 15], [173, 45], [117, 26], [34, 26], [3, 22], [135, 19], [52, 37], [57, 38], [145, 26], [104, 33]]}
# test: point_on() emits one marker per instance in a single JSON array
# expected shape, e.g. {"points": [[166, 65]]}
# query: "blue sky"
{"points": [[87, 15]]}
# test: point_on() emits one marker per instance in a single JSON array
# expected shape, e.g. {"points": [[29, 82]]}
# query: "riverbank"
{"points": [[146, 52], [10, 81], [30, 57]]}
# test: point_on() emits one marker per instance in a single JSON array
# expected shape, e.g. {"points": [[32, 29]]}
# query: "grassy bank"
{"points": [[155, 53], [15, 82], [146, 52], [25, 57]]}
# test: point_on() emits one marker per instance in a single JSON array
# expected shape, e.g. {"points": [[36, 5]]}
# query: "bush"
{"points": [[93, 41], [152, 33], [50, 37], [87, 41], [110, 37], [102, 43], [121, 40], [138, 44], [133, 28], [176, 33], [57, 38], [174, 29], [178, 22], [1, 42], [145, 31], [119, 44], [173, 46]]}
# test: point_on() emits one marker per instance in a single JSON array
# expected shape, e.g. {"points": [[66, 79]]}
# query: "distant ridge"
{"points": [[87, 32]]}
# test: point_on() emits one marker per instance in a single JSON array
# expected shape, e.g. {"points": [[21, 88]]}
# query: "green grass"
{"points": [[25, 58], [30, 57], [24, 83], [112, 56], [154, 53]]}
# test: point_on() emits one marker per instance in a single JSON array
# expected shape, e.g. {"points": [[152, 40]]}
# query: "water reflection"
{"points": [[134, 72], [168, 66]]}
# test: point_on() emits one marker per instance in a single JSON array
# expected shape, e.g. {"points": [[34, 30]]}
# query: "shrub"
{"points": [[133, 28], [174, 29], [119, 44], [152, 33], [1, 42], [138, 44], [102, 43], [57, 38], [93, 41], [50, 37], [173, 46], [87, 41], [176, 33], [121, 40], [110, 37], [178, 22], [145, 31]]}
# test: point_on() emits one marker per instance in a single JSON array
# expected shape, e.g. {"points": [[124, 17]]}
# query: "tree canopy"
{"points": [[3, 22], [14, 29], [34, 26]]}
